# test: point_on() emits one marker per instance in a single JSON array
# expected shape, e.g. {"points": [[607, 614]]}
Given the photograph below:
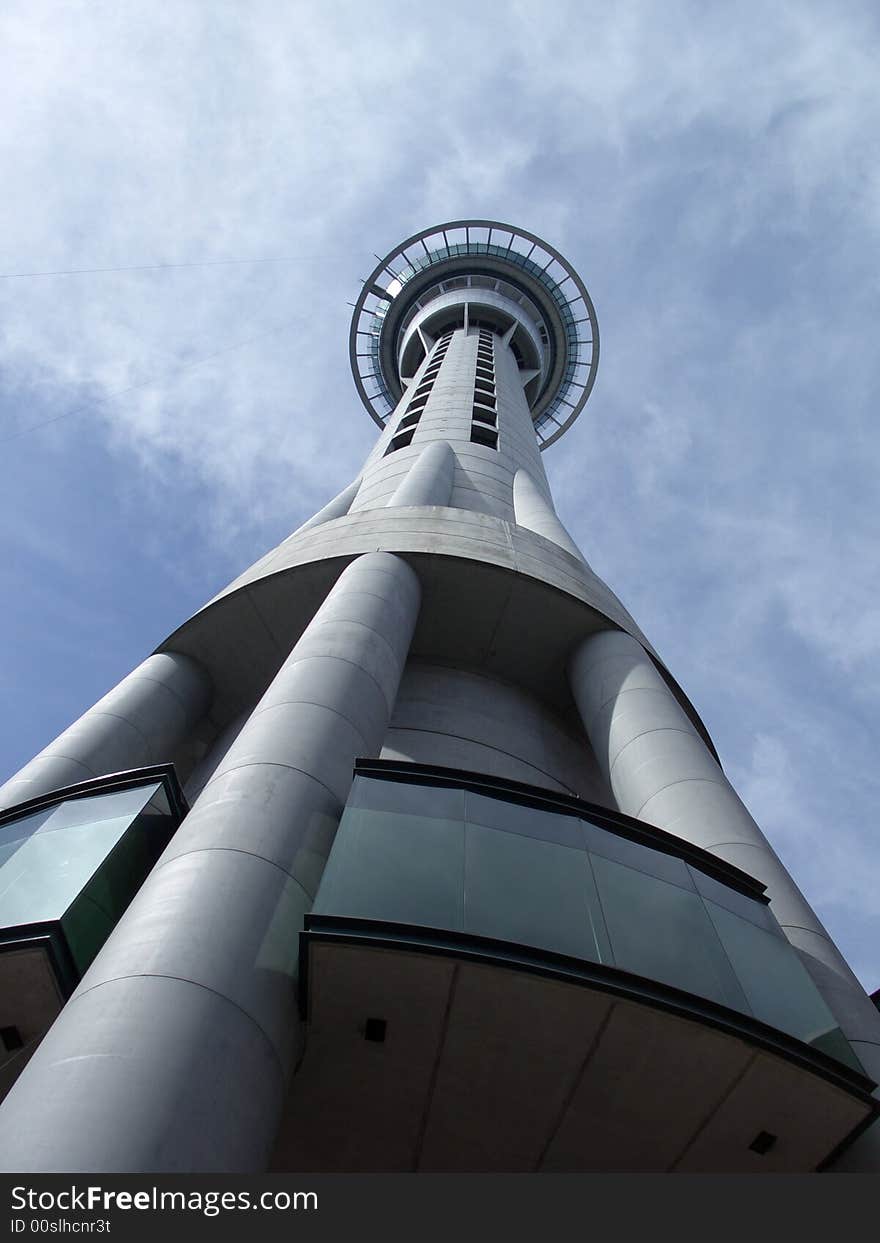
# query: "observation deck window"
{"points": [[70, 863], [439, 850], [482, 436], [400, 441]]}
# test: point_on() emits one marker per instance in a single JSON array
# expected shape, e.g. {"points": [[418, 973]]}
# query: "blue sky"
{"points": [[712, 173]]}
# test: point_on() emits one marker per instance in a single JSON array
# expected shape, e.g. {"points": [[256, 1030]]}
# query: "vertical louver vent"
{"points": [[406, 428], [484, 418]]}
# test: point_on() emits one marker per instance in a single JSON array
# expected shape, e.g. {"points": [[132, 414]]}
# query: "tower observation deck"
{"points": [[407, 851]]}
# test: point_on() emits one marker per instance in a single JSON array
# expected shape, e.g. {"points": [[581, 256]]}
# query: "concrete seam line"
{"points": [[687, 781], [93, 713], [660, 729], [411, 729], [145, 677], [295, 703], [272, 637], [248, 596], [401, 575], [765, 845], [349, 622], [55, 755], [263, 764], [406, 526], [647, 690], [158, 975], [342, 660], [234, 850], [823, 936], [388, 601], [614, 655]]}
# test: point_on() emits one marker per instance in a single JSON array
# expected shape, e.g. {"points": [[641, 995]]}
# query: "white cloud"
{"points": [[711, 171]]}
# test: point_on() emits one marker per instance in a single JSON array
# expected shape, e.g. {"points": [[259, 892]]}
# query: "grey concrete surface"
{"points": [[340, 505], [660, 771], [429, 480], [210, 942], [143, 720], [532, 510], [461, 718]]}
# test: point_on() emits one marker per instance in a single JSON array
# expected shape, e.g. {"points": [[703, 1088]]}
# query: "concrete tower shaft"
{"points": [[443, 789], [478, 272]]}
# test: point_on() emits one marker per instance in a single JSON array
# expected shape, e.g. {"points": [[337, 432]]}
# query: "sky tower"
{"points": [[407, 852]]}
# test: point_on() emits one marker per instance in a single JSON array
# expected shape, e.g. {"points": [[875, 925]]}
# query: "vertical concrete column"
{"points": [[141, 721], [536, 513], [661, 771], [174, 1052], [429, 480], [337, 508]]}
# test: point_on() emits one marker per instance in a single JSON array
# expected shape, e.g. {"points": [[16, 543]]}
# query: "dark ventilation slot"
{"points": [[409, 420], [11, 1039], [482, 415], [483, 436], [762, 1143], [484, 418], [401, 440]]}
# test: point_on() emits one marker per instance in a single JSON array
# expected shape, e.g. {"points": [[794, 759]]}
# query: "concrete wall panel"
{"points": [[141, 721]]}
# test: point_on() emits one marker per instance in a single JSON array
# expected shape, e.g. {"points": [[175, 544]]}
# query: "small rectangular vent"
{"points": [[762, 1143], [401, 440], [482, 415], [483, 436], [11, 1039]]}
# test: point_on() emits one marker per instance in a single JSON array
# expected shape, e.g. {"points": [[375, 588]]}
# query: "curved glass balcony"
{"points": [[70, 863], [473, 857]]}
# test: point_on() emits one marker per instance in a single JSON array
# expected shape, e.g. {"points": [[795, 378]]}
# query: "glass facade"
{"points": [[70, 868], [480, 863]]}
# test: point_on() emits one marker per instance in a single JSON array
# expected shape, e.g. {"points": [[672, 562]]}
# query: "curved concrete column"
{"points": [[429, 480], [660, 771], [141, 721], [174, 1052], [533, 511], [337, 508]]}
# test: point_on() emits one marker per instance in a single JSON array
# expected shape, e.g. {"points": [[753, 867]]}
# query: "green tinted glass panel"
{"points": [[498, 813], [16, 833], [79, 862], [533, 893], [737, 903], [777, 985], [39, 882], [635, 855], [663, 932], [399, 868], [441, 802], [120, 804]]}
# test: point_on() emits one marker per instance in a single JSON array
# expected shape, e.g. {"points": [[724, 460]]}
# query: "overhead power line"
{"points": [[154, 267], [98, 401]]}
